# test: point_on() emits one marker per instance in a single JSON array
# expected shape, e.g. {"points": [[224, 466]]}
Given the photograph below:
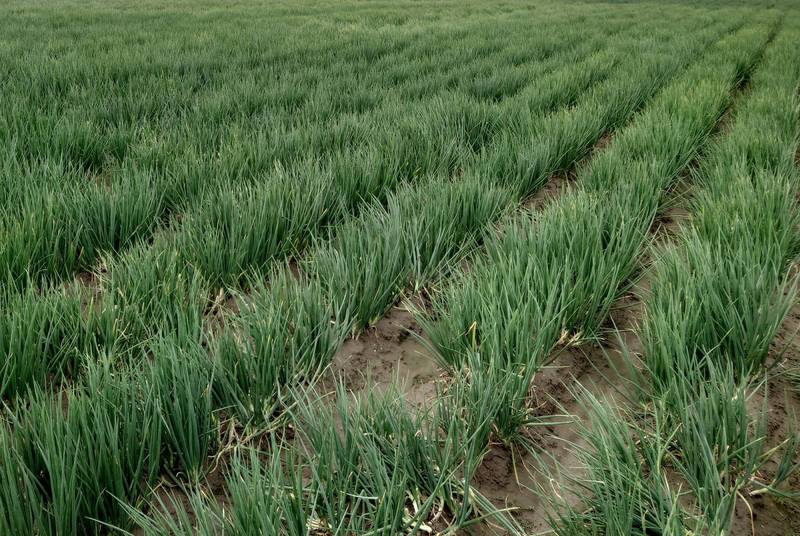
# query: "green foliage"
{"points": [[697, 441], [195, 213], [283, 335]]}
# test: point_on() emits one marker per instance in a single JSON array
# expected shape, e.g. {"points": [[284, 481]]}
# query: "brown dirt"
{"points": [[604, 141], [509, 478], [168, 501], [554, 188], [593, 366], [387, 352], [174, 501], [778, 516], [89, 286], [392, 351], [89, 280]]}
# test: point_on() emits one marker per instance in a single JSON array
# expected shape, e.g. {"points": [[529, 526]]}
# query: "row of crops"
{"points": [[202, 203], [718, 295]]}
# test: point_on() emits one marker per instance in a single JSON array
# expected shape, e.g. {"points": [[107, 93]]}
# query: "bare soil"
{"points": [[390, 351]]}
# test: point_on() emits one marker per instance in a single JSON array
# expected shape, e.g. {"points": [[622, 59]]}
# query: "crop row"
{"points": [[696, 442]]}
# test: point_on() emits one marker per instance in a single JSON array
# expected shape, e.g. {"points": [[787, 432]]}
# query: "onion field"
{"points": [[360, 267]]}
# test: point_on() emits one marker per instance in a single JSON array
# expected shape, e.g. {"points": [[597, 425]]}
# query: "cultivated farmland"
{"points": [[415, 267]]}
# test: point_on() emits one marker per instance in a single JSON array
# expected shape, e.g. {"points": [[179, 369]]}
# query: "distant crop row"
{"points": [[68, 222]]}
